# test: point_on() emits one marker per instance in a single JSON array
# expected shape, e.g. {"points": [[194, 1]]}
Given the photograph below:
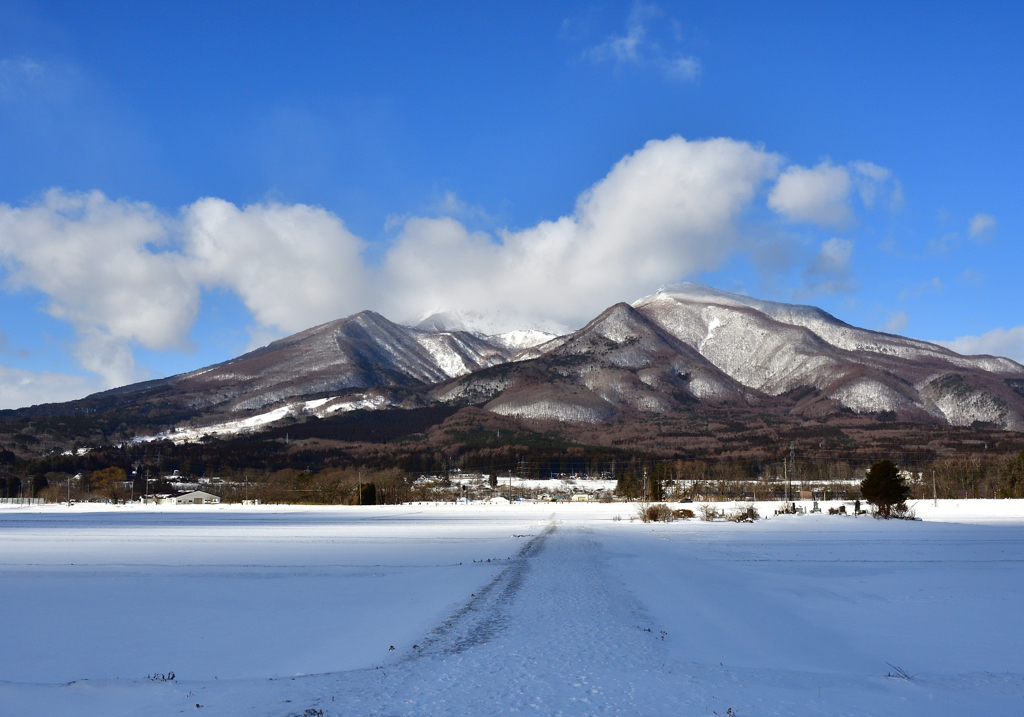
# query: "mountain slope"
{"points": [[679, 348], [361, 351], [619, 361], [777, 348]]}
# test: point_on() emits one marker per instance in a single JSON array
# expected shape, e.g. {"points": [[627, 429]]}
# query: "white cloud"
{"points": [[680, 68], [868, 178], [932, 286], [897, 322], [664, 212], [896, 200], [981, 224], [107, 270], [625, 48], [20, 388], [829, 271], [636, 49], [997, 342], [294, 266], [944, 243], [819, 195]]}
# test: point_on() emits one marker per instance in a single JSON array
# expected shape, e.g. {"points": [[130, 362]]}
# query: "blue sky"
{"points": [[182, 183]]}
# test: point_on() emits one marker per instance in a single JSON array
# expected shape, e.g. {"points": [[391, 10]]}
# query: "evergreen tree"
{"points": [[883, 487], [367, 494]]}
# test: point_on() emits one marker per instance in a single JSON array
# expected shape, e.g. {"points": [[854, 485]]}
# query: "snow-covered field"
{"points": [[272, 610]]}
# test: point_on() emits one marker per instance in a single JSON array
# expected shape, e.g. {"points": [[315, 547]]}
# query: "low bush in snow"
{"points": [[902, 511], [744, 514], [657, 513], [709, 512]]}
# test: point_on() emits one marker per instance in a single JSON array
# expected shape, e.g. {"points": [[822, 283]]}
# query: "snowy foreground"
{"points": [[273, 610]]}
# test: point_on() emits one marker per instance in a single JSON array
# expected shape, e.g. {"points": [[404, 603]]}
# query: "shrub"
{"points": [[709, 512], [683, 513], [744, 514], [902, 512], [657, 513]]}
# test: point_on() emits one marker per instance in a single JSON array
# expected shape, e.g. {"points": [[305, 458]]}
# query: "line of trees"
{"points": [[106, 473]]}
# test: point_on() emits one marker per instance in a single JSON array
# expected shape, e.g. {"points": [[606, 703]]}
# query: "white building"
{"points": [[194, 497]]}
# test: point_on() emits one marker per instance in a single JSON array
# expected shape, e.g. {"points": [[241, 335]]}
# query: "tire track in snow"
{"points": [[552, 634], [486, 612]]}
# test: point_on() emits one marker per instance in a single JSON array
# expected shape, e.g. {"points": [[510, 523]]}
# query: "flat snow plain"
{"points": [[274, 610]]}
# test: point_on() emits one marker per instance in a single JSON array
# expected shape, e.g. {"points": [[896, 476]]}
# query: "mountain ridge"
{"points": [[683, 346]]}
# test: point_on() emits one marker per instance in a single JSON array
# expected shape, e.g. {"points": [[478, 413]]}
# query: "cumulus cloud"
{"points": [[666, 211], [997, 342], [981, 225], [294, 266], [819, 195], [829, 271], [637, 49], [108, 269]]}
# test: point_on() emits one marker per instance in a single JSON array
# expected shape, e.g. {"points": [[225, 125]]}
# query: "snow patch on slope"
{"points": [[362, 402], [551, 410], [439, 346], [318, 407], [521, 339], [869, 396], [832, 330]]}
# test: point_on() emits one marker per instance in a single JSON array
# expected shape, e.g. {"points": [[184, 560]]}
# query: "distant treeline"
{"points": [[332, 477]]}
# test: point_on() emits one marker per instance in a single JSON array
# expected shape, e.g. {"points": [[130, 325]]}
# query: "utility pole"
{"points": [[785, 480], [935, 494], [792, 459]]}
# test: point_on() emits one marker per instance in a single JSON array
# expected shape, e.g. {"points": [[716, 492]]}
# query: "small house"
{"points": [[194, 497]]}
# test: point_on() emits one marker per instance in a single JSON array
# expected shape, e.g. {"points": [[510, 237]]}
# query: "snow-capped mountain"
{"points": [[620, 360], [682, 346], [361, 351], [689, 342], [776, 348]]}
